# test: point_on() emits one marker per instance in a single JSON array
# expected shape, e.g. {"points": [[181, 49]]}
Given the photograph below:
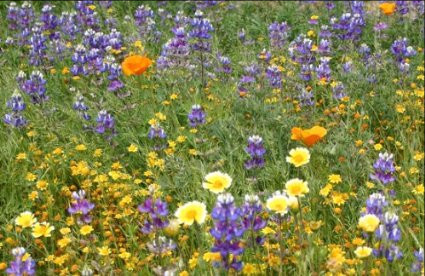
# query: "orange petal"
{"points": [[310, 140], [135, 65], [319, 131], [296, 133]]}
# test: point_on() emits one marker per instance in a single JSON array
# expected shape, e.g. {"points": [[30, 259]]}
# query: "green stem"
{"points": [[280, 245], [301, 220]]}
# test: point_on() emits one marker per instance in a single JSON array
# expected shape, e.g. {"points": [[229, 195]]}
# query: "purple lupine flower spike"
{"points": [[338, 91], [18, 267], [81, 107], [418, 264], [402, 7], [388, 232], [224, 64], [35, 86], [323, 70], [306, 98], [115, 83], [278, 33], [350, 25], [156, 131], [157, 211], [176, 51], [196, 116], [17, 105], [375, 204], [158, 135], [81, 206], [105, 121], [201, 32], [384, 168], [251, 217], [227, 231], [274, 75], [256, 151]]}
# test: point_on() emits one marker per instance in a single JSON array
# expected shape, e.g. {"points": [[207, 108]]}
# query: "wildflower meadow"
{"points": [[180, 138]]}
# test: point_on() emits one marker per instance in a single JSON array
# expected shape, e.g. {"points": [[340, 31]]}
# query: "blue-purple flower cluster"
{"points": [[252, 219], [225, 67], [384, 169], [388, 233], [227, 232], [157, 211], [274, 75], [34, 86], [17, 105], [350, 25], [196, 116], [144, 20], [278, 33], [81, 107], [105, 123], [300, 51], [81, 206], [175, 52], [20, 267], [401, 52], [201, 32], [256, 151], [247, 81], [418, 264]]}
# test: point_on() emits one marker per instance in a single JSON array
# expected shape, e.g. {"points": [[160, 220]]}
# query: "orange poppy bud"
{"points": [[387, 8], [135, 65]]}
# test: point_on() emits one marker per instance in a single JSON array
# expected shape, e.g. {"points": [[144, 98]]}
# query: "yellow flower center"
{"points": [[298, 158], [191, 214]]}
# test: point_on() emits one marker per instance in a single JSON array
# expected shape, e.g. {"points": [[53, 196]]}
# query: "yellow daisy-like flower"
{"points": [[25, 219], [86, 229], [104, 251], [33, 195], [30, 177], [191, 212], [419, 190], [369, 223], [42, 185], [43, 229], [249, 269], [62, 243], [278, 203], [132, 148], [21, 156], [377, 147], [212, 257], [268, 230], [363, 252], [81, 147], [335, 178], [217, 182], [298, 157], [358, 241], [296, 187], [97, 153], [325, 190]]}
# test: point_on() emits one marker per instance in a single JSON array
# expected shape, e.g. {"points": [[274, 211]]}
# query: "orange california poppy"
{"points": [[308, 136], [387, 8], [135, 65]]}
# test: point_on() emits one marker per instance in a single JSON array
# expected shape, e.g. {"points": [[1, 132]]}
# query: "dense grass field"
{"points": [[212, 138]]}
